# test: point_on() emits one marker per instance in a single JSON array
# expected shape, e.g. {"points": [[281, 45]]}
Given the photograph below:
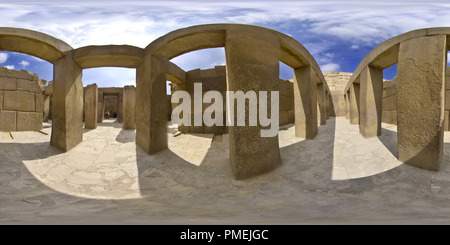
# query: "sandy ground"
{"points": [[337, 178]]}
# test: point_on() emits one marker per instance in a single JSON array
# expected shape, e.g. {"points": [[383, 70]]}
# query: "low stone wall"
{"points": [[215, 79], [21, 101]]}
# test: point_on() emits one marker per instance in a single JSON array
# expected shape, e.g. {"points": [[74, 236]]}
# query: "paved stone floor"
{"points": [[337, 178]]}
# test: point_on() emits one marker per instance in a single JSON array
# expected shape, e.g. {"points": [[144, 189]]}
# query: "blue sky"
{"points": [[337, 33]]}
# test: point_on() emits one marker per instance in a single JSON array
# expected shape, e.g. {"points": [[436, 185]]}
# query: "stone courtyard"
{"points": [[108, 180]]}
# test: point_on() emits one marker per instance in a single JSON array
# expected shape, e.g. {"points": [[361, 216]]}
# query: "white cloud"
{"points": [[330, 67], [3, 57], [354, 46], [24, 63], [11, 67]]}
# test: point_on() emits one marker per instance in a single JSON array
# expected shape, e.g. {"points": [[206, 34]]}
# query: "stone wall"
{"points": [[389, 112], [215, 79], [21, 101], [336, 83]]}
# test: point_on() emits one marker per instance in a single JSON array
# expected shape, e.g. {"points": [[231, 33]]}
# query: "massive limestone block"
{"points": [[321, 102], [28, 85], [371, 99], [100, 107], [67, 104], [354, 103], [91, 106], [305, 102], [252, 64], [151, 106], [421, 88], [46, 111], [19, 101], [29, 121], [129, 105], [8, 121], [8, 83], [39, 103]]}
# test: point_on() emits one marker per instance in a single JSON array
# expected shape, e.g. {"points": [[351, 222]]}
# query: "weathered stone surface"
{"points": [[8, 121], [321, 110], [371, 100], [39, 103], [446, 120], [284, 118], [305, 102], [19, 101], [91, 106], [8, 83], [100, 107], [151, 119], [354, 103], [46, 112], [336, 82], [421, 87], [252, 64], [1, 99], [29, 121], [67, 104], [28, 85], [129, 107]]}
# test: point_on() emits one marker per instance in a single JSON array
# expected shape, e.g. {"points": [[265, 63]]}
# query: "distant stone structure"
{"points": [[214, 79], [336, 82], [21, 100]]}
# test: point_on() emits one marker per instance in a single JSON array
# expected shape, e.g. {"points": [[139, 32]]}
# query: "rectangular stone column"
{"points": [[420, 101], [67, 104], [151, 104], [446, 120], [371, 101], [100, 107], [305, 102], [252, 65], [120, 101], [354, 103], [322, 117], [91, 106], [129, 104], [327, 105], [46, 107], [347, 105]]}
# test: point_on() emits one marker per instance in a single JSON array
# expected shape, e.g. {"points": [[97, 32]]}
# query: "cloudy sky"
{"points": [[337, 33]]}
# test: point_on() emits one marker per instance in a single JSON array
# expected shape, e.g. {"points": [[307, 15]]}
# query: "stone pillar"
{"points": [[252, 65], [46, 107], [305, 102], [371, 101], [151, 104], [446, 120], [354, 103], [91, 106], [347, 104], [327, 104], [322, 117], [129, 104], [100, 107], [120, 101], [420, 101], [67, 104]]}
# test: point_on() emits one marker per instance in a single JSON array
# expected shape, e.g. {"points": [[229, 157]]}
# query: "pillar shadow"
{"points": [[308, 155], [389, 140]]}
